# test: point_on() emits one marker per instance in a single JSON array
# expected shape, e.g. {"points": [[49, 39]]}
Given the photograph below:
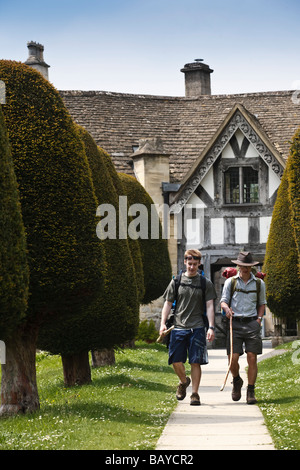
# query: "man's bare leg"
{"points": [[196, 377], [180, 371], [237, 380], [184, 380]]}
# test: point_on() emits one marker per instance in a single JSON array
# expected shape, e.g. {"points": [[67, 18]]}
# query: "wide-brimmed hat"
{"points": [[245, 259]]}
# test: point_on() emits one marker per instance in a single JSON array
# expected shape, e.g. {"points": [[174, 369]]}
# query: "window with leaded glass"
{"points": [[232, 186], [241, 185], [250, 185]]}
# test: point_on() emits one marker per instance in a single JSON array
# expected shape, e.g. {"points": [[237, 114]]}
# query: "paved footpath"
{"points": [[219, 423]]}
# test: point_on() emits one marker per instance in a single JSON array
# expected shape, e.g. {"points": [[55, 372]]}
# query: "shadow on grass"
{"points": [[146, 367], [115, 381], [105, 412], [278, 401], [124, 380]]}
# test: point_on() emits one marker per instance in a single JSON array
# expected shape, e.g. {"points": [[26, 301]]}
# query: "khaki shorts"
{"points": [[246, 333]]}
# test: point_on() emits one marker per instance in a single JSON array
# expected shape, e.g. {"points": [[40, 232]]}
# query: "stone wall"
{"points": [[152, 311]]}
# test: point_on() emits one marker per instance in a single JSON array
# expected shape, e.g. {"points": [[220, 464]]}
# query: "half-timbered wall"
{"points": [[226, 226]]}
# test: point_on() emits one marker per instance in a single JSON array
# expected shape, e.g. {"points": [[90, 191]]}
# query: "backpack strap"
{"points": [[202, 286], [177, 281], [234, 289], [258, 284]]}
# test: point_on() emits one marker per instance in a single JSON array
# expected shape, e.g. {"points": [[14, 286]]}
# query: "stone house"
{"points": [[215, 160]]}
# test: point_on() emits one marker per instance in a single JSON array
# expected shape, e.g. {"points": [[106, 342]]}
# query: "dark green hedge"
{"points": [[155, 254], [14, 272], [133, 244], [120, 310], [112, 319], [294, 189], [282, 279], [56, 192]]}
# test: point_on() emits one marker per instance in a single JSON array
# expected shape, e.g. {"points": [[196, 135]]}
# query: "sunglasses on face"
{"points": [[189, 258]]}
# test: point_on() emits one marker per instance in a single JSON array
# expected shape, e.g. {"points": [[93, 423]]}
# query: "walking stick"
{"points": [[164, 333], [231, 352]]}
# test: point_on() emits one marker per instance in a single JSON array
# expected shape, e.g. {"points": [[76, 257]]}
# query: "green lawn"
{"points": [[278, 391], [126, 406]]}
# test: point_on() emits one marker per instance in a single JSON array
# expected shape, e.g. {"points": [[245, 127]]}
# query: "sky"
{"points": [[139, 46]]}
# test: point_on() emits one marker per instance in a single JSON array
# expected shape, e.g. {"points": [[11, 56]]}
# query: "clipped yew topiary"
{"points": [[294, 189], [154, 248], [58, 208], [14, 279], [119, 317], [14, 272], [282, 279], [112, 318], [133, 243]]}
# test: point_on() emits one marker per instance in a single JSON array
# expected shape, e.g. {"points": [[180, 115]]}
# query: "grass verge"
{"points": [[278, 391], [126, 406]]}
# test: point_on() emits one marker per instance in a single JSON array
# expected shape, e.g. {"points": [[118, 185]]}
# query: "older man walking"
{"points": [[244, 299]]}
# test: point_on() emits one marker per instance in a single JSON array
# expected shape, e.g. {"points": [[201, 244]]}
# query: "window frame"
{"points": [[240, 166]]}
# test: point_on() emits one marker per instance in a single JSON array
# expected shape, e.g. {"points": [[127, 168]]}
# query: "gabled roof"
{"points": [[237, 118], [187, 126]]}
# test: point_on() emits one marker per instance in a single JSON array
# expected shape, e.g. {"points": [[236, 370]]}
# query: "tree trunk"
{"points": [[77, 369], [103, 357], [19, 393]]}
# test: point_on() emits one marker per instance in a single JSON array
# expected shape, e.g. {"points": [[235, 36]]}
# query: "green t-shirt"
{"points": [[189, 304]]}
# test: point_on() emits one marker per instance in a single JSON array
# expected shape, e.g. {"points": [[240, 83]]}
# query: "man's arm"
{"points": [[228, 311], [164, 315], [260, 313], [225, 298], [262, 302], [210, 311]]}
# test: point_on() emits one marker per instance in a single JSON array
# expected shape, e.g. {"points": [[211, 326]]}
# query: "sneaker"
{"points": [[195, 399], [251, 400], [236, 389], [181, 390]]}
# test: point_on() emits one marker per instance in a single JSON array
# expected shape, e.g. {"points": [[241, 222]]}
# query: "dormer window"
{"points": [[241, 185]]}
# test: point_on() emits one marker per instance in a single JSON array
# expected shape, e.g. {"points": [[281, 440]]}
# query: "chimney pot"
{"points": [[36, 58], [197, 78]]}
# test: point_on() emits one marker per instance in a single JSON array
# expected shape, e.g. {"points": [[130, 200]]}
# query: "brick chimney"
{"points": [[197, 78], [36, 58]]}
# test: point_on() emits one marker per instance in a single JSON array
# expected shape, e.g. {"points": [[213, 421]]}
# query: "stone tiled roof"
{"points": [[117, 121]]}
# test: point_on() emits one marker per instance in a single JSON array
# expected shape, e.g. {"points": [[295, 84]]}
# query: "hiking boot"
{"points": [[181, 390], [236, 389], [251, 400], [195, 399]]}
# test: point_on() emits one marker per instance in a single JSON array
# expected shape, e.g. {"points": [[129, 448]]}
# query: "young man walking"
{"points": [[188, 338], [246, 305]]}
